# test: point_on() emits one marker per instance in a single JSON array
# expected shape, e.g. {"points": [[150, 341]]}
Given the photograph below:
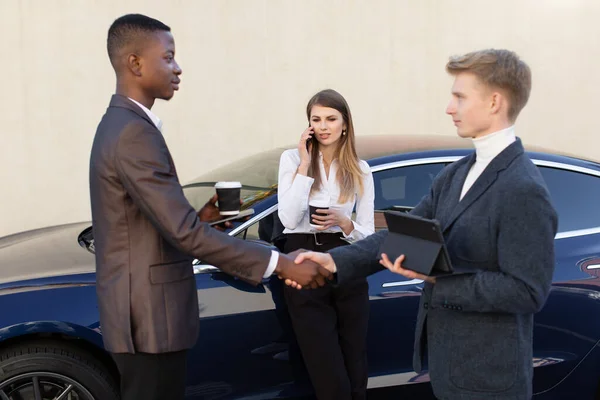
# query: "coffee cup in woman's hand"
{"points": [[312, 209]]}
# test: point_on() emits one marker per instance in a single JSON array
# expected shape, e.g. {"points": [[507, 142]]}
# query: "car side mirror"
{"points": [[86, 239]]}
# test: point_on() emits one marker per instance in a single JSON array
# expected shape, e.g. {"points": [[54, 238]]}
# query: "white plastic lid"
{"points": [[227, 185]]}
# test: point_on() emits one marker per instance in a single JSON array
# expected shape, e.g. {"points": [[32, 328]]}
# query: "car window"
{"points": [[404, 186], [396, 187], [575, 196], [257, 174], [255, 231], [267, 229]]}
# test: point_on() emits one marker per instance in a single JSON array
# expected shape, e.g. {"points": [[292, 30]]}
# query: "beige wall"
{"points": [[251, 65]]}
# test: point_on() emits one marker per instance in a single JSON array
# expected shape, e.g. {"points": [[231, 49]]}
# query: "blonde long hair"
{"points": [[349, 174]]}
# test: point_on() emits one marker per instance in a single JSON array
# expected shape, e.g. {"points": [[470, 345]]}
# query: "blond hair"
{"points": [[349, 174], [501, 69]]}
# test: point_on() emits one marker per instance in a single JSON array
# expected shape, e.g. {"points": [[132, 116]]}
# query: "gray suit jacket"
{"points": [[479, 321], [145, 235]]}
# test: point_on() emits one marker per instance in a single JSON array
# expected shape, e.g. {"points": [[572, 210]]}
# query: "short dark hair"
{"points": [[128, 30]]}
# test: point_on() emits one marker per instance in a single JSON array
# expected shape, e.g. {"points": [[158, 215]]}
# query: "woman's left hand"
{"points": [[333, 217]]}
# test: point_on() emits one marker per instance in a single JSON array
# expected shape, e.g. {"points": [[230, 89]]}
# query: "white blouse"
{"points": [[293, 194]]}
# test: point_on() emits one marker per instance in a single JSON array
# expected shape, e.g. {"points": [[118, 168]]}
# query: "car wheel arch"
{"points": [[75, 342]]}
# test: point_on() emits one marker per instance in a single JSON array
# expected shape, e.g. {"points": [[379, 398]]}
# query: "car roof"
{"points": [[375, 146]]}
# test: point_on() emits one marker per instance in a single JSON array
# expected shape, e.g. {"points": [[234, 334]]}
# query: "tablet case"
{"points": [[420, 240]]}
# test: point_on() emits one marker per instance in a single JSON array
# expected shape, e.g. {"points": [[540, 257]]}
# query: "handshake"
{"points": [[305, 269]]}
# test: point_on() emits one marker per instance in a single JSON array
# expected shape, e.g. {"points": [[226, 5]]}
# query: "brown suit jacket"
{"points": [[146, 233]]}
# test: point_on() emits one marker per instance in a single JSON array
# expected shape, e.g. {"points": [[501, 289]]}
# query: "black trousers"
{"points": [[331, 325], [152, 376]]}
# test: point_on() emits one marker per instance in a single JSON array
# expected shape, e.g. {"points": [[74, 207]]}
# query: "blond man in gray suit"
{"points": [[499, 226]]}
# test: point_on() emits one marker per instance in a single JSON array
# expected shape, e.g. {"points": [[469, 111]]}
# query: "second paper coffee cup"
{"points": [[312, 209], [228, 194]]}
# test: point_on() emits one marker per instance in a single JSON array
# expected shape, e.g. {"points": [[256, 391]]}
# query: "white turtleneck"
{"points": [[486, 149]]}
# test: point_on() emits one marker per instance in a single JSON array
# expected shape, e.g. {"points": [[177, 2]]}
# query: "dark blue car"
{"points": [[51, 339]]}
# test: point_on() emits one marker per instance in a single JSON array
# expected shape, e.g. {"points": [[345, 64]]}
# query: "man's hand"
{"points": [[323, 259], [210, 213], [396, 267], [303, 274]]}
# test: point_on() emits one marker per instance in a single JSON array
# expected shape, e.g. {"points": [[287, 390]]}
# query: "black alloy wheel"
{"points": [[43, 386]]}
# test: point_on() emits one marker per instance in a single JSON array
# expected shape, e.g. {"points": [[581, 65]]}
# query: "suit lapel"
{"points": [[481, 185], [121, 101], [453, 196]]}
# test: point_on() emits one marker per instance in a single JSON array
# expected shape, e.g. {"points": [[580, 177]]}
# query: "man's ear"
{"points": [[497, 102], [134, 64]]}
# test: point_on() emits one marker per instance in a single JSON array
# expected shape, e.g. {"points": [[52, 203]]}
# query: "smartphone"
{"points": [[310, 140]]}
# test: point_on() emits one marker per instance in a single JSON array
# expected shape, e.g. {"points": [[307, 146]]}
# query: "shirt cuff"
{"points": [[355, 235], [272, 264], [350, 237]]}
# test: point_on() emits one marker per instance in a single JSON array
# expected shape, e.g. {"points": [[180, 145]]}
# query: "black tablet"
{"points": [[420, 240]]}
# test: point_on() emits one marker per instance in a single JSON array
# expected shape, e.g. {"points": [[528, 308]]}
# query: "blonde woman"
{"points": [[330, 323]]}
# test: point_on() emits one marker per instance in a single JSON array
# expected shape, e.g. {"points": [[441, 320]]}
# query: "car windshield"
{"points": [[257, 173]]}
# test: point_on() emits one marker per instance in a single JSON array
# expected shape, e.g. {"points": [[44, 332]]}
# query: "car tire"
{"points": [[59, 361]]}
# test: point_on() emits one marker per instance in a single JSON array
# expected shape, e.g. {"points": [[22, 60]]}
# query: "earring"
{"points": [[343, 132]]}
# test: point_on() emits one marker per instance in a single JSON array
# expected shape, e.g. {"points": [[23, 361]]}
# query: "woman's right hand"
{"points": [[304, 153]]}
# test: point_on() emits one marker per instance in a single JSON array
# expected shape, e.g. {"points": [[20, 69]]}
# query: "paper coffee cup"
{"points": [[312, 209], [228, 194]]}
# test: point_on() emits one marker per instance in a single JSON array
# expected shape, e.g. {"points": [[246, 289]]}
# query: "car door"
{"points": [[235, 318], [394, 299], [566, 329]]}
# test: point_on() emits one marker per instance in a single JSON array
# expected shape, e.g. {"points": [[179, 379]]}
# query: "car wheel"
{"points": [[48, 370]]}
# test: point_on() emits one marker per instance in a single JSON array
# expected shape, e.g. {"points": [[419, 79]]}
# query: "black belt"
{"points": [[321, 238]]}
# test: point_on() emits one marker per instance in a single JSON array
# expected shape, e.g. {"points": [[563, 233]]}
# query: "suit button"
{"points": [[425, 305]]}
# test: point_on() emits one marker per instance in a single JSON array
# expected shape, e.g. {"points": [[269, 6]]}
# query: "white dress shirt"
{"points": [[158, 123], [486, 149], [294, 195]]}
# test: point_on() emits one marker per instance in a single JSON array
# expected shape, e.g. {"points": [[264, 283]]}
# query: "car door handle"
{"points": [[218, 275], [215, 272], [402, 283], [205, 269]]}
